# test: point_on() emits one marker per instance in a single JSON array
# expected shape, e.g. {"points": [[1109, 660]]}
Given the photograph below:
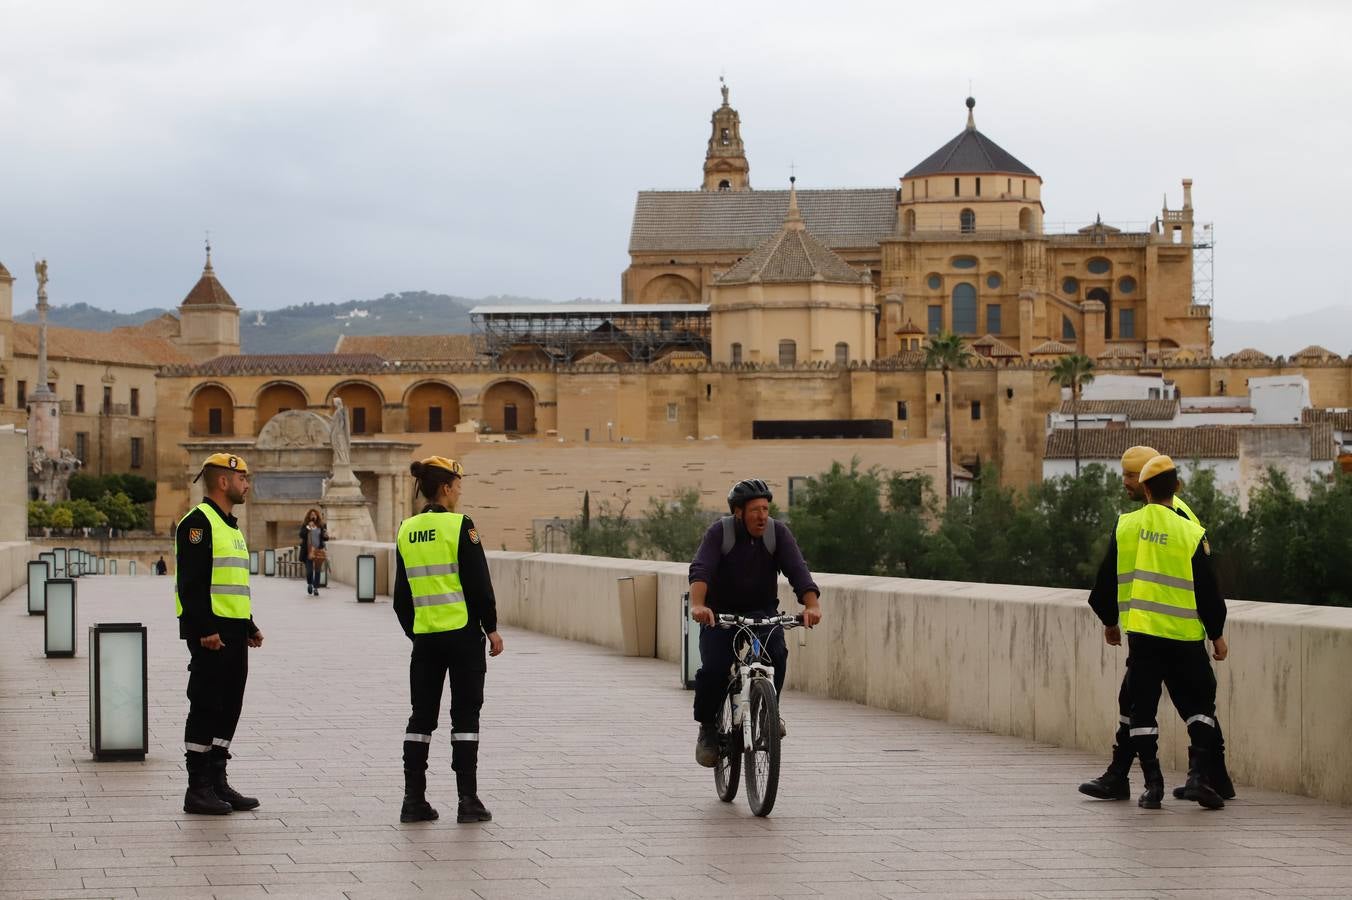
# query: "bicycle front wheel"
{"points": [[729, 767], [762, 757]]}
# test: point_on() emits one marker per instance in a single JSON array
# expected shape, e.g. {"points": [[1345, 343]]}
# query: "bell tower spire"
{"points": [[725, 165]]}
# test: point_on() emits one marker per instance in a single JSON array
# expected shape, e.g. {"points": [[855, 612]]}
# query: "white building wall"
{"points": [[1278, 399], [1125, 387]]}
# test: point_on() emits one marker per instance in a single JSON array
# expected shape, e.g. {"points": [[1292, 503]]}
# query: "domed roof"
{"points": [[208, 291], [970, 151]]}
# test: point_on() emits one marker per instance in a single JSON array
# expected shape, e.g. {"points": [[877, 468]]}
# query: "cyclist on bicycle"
{"points": [[736, 570]]}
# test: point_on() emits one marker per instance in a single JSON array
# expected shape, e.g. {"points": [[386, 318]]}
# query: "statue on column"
{"points": [[345, 508], [339, 434]]}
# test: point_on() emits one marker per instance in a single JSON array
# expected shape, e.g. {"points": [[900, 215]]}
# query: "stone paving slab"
{"points": [[587, 764]]}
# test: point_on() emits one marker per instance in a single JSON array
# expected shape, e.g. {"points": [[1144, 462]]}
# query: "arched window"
{"points": [[1025, 219], [725, 185], [1101, 296], [967, 218], [842, 354], [908, 221], [736, 354], [788, 353], [1067, 329], [725, 137], [964, 309]]}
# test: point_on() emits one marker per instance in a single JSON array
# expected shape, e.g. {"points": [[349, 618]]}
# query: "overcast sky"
{"points": [[344, 150]]}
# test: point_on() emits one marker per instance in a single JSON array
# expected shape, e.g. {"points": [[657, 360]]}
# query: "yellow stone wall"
{"points": [[815, 316]]}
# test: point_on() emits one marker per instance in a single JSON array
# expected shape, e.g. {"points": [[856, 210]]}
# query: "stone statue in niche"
{"points": [[339, 435]]}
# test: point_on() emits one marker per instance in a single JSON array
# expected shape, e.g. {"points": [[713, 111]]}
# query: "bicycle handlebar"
{"points": [[728, 620]]}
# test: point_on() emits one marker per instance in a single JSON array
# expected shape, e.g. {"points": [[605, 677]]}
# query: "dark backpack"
{"points": [[730, 535]]}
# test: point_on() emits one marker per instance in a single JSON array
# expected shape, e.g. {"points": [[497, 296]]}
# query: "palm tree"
{"points": [[1074, 372], [945, 351]]}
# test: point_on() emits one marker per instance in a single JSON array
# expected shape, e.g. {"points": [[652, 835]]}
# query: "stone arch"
{"points": [[1025, 219], [213, 410], [670, 289], [908, 222], [1102, 296], [508, 407], [364, 403], [432, 406], [275, 397]]}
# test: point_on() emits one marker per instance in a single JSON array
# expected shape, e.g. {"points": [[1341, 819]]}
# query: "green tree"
{"points": [[608, 533], [673, 529], [1075, 372], [840, 523], [121, 513], [61, 518], [39, 515], [138, 488], [947, 352], [86, 514], [85, 486]]}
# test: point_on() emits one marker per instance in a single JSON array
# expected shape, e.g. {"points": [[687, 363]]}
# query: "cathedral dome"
{"points": [[969, 152]]}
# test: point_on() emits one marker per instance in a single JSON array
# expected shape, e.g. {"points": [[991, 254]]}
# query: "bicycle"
{"points": [[748, 723]]}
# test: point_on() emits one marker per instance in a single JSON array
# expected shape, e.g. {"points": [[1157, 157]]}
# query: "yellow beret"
{"points": [[1157, 466], [449, 465], [1136, 458], [224, 461]]}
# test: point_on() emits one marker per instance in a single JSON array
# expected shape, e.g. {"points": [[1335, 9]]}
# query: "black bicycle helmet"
{"points": [[746, 490]]}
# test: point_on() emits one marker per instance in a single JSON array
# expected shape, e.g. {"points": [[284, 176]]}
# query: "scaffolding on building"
{"points": [[568, 333], [1204, 273]]}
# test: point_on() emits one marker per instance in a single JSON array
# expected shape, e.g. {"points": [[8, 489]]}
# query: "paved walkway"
{"points": [[588, 769]]}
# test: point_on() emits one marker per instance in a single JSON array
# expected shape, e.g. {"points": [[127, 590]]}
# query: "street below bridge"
{"points": [[587, 763]]}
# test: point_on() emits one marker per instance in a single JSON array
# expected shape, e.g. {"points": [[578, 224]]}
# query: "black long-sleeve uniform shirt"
{"points": [[1210, 603], [194, 579], [480, 602]]}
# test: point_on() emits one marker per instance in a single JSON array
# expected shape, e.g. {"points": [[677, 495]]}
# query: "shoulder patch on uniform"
{"points": [[195, 535], [473, 536], [1206, 547]]}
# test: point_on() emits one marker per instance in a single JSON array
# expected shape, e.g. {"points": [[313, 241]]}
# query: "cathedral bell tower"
{"points": [[725, 165]]}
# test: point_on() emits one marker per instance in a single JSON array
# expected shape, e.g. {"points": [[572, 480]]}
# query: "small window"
{"points": [[956, 191], [967, 219], [82, 446], [359, 420], [993, 281], [978, 186], [936, 320], [1009, 185], [1126, 323], [788, 353], [901, 411], [79, 398], [21, 394], [724, 136], [1154, 394], [135, 404], [1067, 329], [673, 410], [1126, 285], [934, 282], [725, 185], [993, 318], [434, 418], [1098, 265], [842, 354], [976, 410], [1070, 286], [1025, 187], [136, 453], [214, 420], [2, 392], [964, 262], [107, 400], [736, 354]]}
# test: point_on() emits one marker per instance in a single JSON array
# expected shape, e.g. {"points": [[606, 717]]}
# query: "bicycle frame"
{"points": [[753, 662]]}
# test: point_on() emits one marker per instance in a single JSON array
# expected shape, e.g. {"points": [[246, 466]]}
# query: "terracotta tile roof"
{"points": [[1183, 444], [1156, 410], [122, 346], [208, 291], [1316, 353], [1341, 419], [998, 348], [1248, 355], [286, 364], [409, 346], [1117, 351], [910, 328], [1050, 348], [668, 221], [791, 256]]}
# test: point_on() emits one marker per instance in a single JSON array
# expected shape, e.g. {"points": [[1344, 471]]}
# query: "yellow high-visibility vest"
{"points": [[1186, 510], [429, 545], [1154, 573], [229, 568]]}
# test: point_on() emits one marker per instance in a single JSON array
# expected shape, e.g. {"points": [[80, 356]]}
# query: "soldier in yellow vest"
{"points": [[1156, 584], [443, 596], [1114, 784], [211, 598]]}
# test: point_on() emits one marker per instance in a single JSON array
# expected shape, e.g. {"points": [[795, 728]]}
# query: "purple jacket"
{"points": [[747, 579]]}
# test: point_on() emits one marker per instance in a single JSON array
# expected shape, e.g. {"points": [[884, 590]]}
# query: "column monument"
{"points": [[346, 511]]}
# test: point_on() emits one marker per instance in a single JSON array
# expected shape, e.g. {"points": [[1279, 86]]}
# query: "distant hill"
{"points": [[1330, 327], [313, 327]]}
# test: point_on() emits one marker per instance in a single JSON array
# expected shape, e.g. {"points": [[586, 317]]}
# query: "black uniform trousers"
{"points": [[215, 692], [460, 654], [1124, 710], [1185, 669], [717, 655]]}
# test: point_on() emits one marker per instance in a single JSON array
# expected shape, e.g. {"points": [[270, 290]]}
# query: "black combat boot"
{"points": [[218, 759], [416, 808], [1198, 787], [200, 798], [1220, 772], [1153, 795], [707, 746], [465, 761], [1113, 784]]}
